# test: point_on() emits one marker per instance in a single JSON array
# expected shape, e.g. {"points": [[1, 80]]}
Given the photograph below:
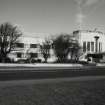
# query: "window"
{"points": [[33, 45], [19, 55], [84, 46], [100, 46], [92, 46], [20, 45], [33, 55], [88, 46]]}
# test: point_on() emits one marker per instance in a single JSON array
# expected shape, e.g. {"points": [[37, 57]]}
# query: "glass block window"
{"points": [[88, 46], [84, 46], [100, 47], [92, 46]]}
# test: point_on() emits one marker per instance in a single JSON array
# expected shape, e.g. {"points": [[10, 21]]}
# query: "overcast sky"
{"points": [[53, 16]]}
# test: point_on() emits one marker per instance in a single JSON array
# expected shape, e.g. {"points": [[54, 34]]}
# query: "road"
{"points": [[54, 80], [46, 72]]}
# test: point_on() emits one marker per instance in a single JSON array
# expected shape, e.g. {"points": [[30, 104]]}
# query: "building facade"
{"points": [[90, 41], [27, 47]]}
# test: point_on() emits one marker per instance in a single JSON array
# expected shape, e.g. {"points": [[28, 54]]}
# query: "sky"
{"points": [[53, 16]]}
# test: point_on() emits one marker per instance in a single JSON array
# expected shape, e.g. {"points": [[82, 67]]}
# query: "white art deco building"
{"points": [[90, 41], [27, 47]]}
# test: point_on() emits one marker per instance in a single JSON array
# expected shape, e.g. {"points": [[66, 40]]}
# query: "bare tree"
{"points": [[9, 35], [45, 49]]}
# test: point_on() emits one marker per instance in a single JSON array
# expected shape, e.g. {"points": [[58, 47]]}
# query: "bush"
{"points": [[21, 61], [39, 60], [8, 60]]}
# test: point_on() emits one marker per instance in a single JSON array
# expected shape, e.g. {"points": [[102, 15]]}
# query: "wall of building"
{"points": [[86, 39], [27, 47], [88, 42]]}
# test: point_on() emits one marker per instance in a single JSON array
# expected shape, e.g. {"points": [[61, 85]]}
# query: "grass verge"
{"points": [[62, 93]]}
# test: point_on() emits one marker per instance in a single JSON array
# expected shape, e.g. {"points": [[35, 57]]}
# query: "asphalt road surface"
{"points": [[54, 80], [26, 73]]}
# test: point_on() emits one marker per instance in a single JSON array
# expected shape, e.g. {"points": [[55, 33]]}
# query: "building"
{"points": [[27, 47], [91, 42]]}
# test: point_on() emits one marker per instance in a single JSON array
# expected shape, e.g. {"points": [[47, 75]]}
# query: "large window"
{"points": [[19, 55], [84, 46], [100, 46], [92, 46], [33, 45], [20, 45], [88, 46], [33, 55]]}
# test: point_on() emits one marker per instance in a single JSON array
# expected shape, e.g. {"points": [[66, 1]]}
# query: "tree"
{"points": [[63, 46], [9, 35], [45, 49], [74, 50]]}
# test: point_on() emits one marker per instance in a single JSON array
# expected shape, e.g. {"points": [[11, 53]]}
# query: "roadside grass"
{"points": [[62, 93]]}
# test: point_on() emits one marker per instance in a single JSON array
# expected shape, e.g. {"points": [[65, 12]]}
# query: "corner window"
{"points": [[20, 45], [33, 45], [33, 55]]}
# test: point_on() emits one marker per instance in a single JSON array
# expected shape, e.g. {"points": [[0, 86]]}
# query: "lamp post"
{"points": [[96, 43]]}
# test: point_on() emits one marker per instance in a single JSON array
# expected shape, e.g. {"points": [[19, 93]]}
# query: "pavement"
{"points": [[39, 65], [45, 65]]}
